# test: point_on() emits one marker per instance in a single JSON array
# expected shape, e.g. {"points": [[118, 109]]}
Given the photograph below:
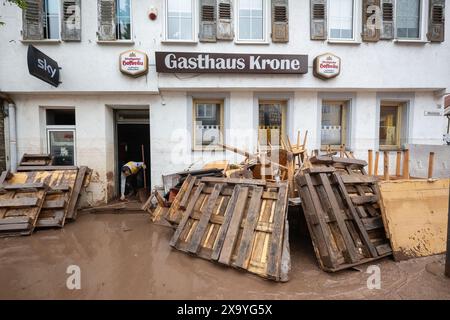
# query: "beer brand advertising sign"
{"points": [[327, 66], [193, 62], [133, 63]]}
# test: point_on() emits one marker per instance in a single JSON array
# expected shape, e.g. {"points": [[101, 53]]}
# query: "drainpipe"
{"points": [[12, 136]]}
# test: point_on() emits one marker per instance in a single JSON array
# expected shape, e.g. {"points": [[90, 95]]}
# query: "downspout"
{"points": [[12, 136]]}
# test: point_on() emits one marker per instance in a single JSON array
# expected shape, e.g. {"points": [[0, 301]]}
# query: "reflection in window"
{"points": [[389, 122], [179, 20], [208, 124], [123, 25], [270, 123], [408, 19], [251, 21], [341, 19], [51, 19], [333, 124], [62, 147]]}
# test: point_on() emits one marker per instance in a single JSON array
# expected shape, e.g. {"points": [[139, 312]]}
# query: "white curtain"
{"points": [[251, 20], [341, 19], [408, 18], [179, 20]]}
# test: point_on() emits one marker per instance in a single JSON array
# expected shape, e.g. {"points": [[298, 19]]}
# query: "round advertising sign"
{"points": [[327, 66], [133, 63]]}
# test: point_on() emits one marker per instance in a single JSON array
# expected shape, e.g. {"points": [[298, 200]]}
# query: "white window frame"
{"points": [[131, 24], [266, 24], [194, 38], [355, 24], [423, 25], [49, 129], [196, 102]]}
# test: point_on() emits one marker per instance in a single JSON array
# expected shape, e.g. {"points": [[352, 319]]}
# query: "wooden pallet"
{"points": [[35, 160], [61, 198], [343, 215], [20, 206], [236, 222]]}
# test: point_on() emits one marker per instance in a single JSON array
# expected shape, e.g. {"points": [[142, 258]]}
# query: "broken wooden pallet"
{"points": [[35, 160], [61, 198], [236, 222], [343, 216], [20, 207]]}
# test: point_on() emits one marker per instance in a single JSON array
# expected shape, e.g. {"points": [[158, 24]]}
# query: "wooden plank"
{"points": [[71, 212], [384, 249], [54, 204], [233, 229], [187, 193], [251, 182], [360, 200], [372, 223], [18, 202], [15, 226], [187, 214], [360, 227], [275, 251], [358, 179], [314, 170], [45, 168], [226, 223], [39, 185], [204, 220], [332, 160], [249, 229], [4, 177], [15, 220], [338, 215]]}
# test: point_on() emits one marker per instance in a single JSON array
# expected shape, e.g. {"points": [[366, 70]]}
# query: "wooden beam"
{"points": [[54, 204], [386, 166], [39, 185], [398, 164], [18, 203], [406, 165], [377, 159], [370, 160], [430, 165], [46, 168]]}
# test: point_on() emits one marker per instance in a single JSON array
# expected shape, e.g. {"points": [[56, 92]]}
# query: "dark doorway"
{"points": [[132, 132]]}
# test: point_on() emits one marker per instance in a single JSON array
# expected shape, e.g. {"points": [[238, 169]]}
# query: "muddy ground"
{"points": [[124, 256]]}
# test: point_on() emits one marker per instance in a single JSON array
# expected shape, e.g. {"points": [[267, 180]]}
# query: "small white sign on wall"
{"points": [[327, 66], [133, 63]]}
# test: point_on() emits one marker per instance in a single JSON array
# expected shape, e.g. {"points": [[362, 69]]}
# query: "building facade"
{"points": [[364, 74]]}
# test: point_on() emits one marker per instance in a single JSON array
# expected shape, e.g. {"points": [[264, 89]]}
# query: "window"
{"points": [[408, 19], [123, 20], [180, 17], [208, 124], [341, 19], [51, 19], [61, 136], [272, 116], [333, 132], [390, 121], [251, 20]]}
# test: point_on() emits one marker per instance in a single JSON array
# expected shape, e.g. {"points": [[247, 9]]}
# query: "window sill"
{"points": [[118, 42], [179, 42], [43, 41], [244, 42], [353, 42], [418, 41]]}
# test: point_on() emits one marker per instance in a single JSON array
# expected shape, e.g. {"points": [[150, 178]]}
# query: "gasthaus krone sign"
{"points": [[195, 62], [327, 66], [133, 63], [42, 66]]}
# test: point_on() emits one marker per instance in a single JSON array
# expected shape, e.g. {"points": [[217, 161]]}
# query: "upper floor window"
{"points": [[341, 14], [52, 20], [408, 19], [114, 18], [179, 22], [251, 21]]}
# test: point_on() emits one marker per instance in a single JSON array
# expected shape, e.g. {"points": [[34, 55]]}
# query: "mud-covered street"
{"points": [[125, 256]]}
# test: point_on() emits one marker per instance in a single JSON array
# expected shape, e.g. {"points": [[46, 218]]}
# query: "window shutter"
{"points": [[71, 20], [371, 20], [387, 30], [225, 20], [32, 19], [280, 20], [106, 20], [208, 18], [318, 18], [436, 21]]}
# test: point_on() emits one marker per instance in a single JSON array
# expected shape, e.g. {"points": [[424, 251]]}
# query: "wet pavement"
{"points": [[125, 256]]}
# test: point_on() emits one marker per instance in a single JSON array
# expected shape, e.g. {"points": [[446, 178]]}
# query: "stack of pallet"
{"points": [[41, 197], [341, 206], [240, 223]]}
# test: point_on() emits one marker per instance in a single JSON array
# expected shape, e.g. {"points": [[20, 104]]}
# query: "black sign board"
{"points": [[196, 62], [42, 66]]}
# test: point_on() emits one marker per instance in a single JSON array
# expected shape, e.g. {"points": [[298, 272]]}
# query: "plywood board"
{"points": [[415, 214]]}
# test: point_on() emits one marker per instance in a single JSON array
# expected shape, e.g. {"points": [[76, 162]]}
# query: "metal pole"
{"points": [[447, 264]]}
